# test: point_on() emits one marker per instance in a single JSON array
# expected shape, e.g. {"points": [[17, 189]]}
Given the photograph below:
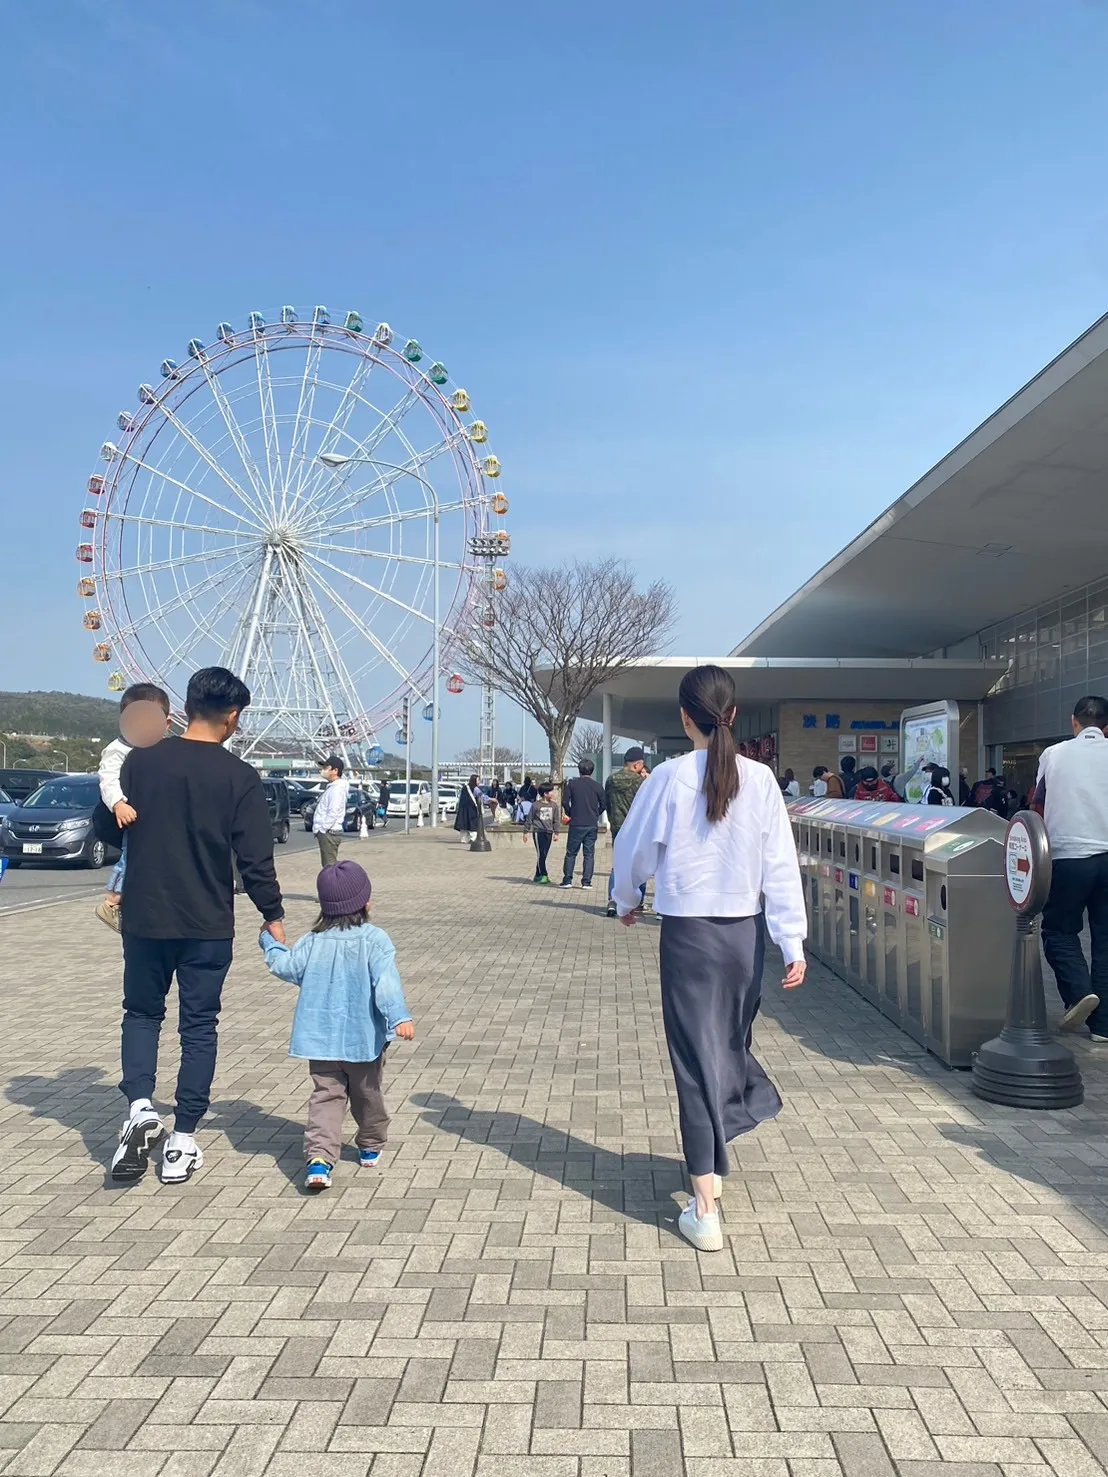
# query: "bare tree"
{"points": [[501, 755], [588, 739], [561, 633]]}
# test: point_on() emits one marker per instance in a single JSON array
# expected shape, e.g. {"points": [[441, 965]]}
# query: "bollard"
{"points": [[1024, 1067], [482, 843], [363, 830]]}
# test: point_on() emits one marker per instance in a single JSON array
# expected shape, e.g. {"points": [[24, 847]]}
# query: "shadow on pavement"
{"points": [[635, 1187], [81, 1099]]}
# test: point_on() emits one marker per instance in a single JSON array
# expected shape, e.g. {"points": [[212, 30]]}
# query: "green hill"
{"points": [[61, 713]]}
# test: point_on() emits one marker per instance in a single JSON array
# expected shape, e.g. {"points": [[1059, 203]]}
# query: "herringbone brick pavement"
{"points": [[914, 1283]]}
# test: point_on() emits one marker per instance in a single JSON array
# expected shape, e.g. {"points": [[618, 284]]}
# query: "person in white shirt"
{"points": [[1071, 794], [143, 720], [330, 812], [712, 830]]}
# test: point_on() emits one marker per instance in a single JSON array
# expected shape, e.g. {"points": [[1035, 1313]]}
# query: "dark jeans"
{"points": [[580, 838], [542, 846], [1078, 887], [149, 965]]}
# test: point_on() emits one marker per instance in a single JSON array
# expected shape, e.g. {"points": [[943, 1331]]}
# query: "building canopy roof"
{"points": [[644, 695], [1014, 515]]}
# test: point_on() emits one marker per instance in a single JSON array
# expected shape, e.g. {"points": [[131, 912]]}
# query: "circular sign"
{"points": [[1027, 863]]}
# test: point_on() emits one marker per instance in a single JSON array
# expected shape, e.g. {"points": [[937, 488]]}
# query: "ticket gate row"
{"points": [[907, 904]]}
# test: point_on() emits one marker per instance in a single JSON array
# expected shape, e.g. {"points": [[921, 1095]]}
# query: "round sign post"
{"points": [[1024, 1067]]}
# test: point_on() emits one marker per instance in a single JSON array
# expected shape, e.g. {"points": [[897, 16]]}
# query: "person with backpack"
{"points": [[988, 794], [848, 777], [872, 787]]}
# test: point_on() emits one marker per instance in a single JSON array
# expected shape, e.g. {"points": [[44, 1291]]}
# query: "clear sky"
{"points": [[723, 278]]}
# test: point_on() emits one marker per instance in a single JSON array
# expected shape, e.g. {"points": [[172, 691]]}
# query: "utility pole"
{"points": [[407, 720]]}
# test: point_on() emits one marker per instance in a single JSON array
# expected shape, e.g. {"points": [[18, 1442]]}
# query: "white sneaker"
{"points": [[703, 1231], [1078, 1014], [181, 1158], [139, 1134]]}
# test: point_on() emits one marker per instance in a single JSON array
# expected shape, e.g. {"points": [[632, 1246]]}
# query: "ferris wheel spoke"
{"points": [[270, 431], [183, 598], [350, 398], [238, 440], [203, 452], [141, 522], [180, 653], [310, 605], [192, 492], [389, 422], [373, 589], [362, 629], [330, 548], [137, 571], [411, 468], [305, 405], [384, 520]]}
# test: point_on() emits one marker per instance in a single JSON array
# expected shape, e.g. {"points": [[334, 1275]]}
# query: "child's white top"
{"points": [[735, 868], [111, 762]]}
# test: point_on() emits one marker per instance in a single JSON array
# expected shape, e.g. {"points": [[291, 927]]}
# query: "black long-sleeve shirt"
{"points": [[198, 806], [583, 801]]}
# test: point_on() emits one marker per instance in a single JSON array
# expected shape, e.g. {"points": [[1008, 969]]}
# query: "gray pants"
{"points": [[328, 847], [334, 1086]]}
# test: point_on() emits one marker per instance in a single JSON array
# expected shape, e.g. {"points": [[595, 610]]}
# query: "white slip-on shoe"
{"points": [[141, 1132], [1074, 1018], [702, 1231], [180, 1160]]}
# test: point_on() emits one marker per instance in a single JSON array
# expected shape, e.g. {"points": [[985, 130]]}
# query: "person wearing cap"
{"points": [[620, 789], [351, 1005]]}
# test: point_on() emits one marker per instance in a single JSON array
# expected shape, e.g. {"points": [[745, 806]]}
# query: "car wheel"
{"points": [[283, 834], [308, 825], [96, 854]]}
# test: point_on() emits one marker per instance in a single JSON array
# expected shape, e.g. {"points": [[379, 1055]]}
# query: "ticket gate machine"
{"points": [[907, 904]]}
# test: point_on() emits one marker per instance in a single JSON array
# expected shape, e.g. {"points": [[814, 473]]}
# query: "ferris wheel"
{"points": [[308, 503]]}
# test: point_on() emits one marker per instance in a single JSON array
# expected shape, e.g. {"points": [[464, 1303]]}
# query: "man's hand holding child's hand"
{"points": [[125, 815], [406, 1030], [276, 931]]}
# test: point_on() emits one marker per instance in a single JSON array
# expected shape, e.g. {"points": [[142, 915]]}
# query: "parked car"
{"points": [[413, 799], [277, 799], [358, 804], [448, 799], [20, 783], [300, 794], [54, 824]]}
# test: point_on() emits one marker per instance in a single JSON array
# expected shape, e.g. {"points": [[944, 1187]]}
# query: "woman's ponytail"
{"points": [[708, 696]]}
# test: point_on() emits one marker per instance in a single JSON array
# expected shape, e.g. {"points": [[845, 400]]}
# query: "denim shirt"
{"points": [[351, 1000]]}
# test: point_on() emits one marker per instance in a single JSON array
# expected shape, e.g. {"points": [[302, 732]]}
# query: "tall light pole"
{"points": [[335, 461]]}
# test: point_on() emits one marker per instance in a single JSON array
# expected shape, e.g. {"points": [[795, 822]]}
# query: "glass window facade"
{"points": [[1056, 653]]}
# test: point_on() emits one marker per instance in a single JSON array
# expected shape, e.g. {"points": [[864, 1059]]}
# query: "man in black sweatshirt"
{"points": [[199, 809]]}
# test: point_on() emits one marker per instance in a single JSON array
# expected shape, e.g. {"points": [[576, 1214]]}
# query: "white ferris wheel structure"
{"points": [[310, 503]]}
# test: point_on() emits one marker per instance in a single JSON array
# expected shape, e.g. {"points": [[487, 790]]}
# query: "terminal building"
{"points": [[986, 583]]}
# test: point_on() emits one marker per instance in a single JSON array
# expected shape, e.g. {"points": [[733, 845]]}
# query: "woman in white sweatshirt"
{"points": [[712, 830]]}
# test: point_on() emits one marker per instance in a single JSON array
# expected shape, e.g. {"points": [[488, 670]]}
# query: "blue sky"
{"points": [[724, 278]]}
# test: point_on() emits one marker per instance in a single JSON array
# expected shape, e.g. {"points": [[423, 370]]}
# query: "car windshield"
{"points": [[5, 798], [405, 789], [67, 794]]}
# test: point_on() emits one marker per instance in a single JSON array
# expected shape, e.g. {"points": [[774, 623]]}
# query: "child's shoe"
{"points": [[318, 1176], [109, 913], [367, 1158]]}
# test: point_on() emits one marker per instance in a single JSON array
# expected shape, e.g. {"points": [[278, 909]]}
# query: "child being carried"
{"points": [[143, 721]]}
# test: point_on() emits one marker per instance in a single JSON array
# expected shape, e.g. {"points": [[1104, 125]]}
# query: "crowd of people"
{"points": [[885, 785], [710, 827]]}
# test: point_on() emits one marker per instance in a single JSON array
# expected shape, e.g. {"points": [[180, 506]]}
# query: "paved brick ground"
{"points": [[914, 1282]]}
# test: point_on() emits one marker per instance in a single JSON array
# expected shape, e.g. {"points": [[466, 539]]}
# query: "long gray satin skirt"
{"points": [[711, 990]]}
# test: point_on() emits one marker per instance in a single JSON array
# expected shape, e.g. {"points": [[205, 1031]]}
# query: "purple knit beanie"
{"points": [[343, 888]]}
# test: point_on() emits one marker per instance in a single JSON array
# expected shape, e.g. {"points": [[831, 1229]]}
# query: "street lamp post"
{"points": [[336, 461]]}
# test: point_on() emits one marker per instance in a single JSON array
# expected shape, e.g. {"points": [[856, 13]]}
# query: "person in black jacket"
{"points": [[583, 802], [200, 811]]}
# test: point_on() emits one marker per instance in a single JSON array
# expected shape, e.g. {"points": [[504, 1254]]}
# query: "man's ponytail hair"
{"points": [[708, 696]]}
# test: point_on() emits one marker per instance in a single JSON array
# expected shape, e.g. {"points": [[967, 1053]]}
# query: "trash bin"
{"points": [[907, 904]]}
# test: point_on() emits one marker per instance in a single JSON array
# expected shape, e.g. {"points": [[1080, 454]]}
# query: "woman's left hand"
{"points": [[629, 920], [794, 975]]}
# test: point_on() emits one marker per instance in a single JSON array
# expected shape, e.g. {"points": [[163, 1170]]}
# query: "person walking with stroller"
{"points": [[351, 1005]]}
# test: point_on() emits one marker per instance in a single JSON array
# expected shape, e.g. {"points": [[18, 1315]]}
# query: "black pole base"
{"points": [[481, 844], [1024, 1067]]}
